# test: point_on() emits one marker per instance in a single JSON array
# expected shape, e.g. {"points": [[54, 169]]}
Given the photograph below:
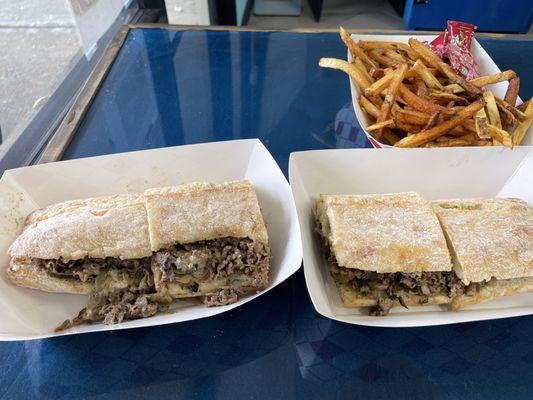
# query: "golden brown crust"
{"points": [[353, 298], [488, 238], [383, 233], [115, 226], [492, 290], [23, 272], [203, 211]]}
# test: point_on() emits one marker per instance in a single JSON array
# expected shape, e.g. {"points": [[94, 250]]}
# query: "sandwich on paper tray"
{"points": [[134, 254]]}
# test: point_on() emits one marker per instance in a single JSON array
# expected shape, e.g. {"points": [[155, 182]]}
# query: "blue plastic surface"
{"points": [[487, 15], [172, 87]]}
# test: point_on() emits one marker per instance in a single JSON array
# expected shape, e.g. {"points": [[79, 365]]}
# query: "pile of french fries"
{"points": [[418, 100]]}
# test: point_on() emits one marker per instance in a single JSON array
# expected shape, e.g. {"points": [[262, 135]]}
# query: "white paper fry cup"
{"points": [[29, 314]]}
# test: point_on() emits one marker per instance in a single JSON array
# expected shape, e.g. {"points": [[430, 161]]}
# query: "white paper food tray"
{"points": [[457, 172], [29, 314], [485, 66]]}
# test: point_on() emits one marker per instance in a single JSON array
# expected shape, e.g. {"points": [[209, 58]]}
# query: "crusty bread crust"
{"points": [[353, 298], [23, 272], [203, 211], [383, 233], [492, 290], [114, 226], [488, 238]]}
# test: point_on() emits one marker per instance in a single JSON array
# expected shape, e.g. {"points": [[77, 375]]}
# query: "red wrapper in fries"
{"points": [[454, 44]]}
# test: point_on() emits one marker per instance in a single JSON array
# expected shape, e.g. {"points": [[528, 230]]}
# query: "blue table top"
{"points": [[171, 87]]}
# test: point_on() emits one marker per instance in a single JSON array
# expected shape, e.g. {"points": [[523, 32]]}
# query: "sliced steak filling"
{"points": [[121, 294], [210, 260], [86, 269]]}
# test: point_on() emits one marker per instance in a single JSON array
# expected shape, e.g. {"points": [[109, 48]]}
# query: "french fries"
{"points": [[512, 91], [433, 60], [396, 81], [368, 106], [359, 79], [361, 67], [412, 117], [379, 86], [500, 135], [428, 78], [380, 125], [439, 130], [492, 110], [481, 124], [355, 49], [413, 98], [524, 125], [418, 103], [494, 78]]}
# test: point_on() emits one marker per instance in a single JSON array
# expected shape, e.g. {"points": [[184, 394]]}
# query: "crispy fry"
{"points": [[385, 110], [361, 67], [420, 87], [469, 125], [494, 78], [370, 45], [500, 135], [368, 106], [380, 125], [512, 91], [509, 121], [480, 122], [458, 131], [433, 60], [439, 95], [390, 136], [359, 79], [453, 88], [377, 100], [523, 126], [376, 73], [419, 103], [522, 107], [410, 128], [413, 74], [394, 55], [439, 130], [412, 117], [492, 110], [382, 59], [519, 114], [355, 49], [426, 75], [432, 121], [379, 86]]}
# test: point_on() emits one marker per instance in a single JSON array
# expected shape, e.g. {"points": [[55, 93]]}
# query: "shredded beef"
{"points": [[87, 269], [222, 297], [125, 289], [212, 259], [120, 295]]}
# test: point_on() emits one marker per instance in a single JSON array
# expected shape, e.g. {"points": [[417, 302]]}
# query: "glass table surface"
{"points": [[172, 87]]}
